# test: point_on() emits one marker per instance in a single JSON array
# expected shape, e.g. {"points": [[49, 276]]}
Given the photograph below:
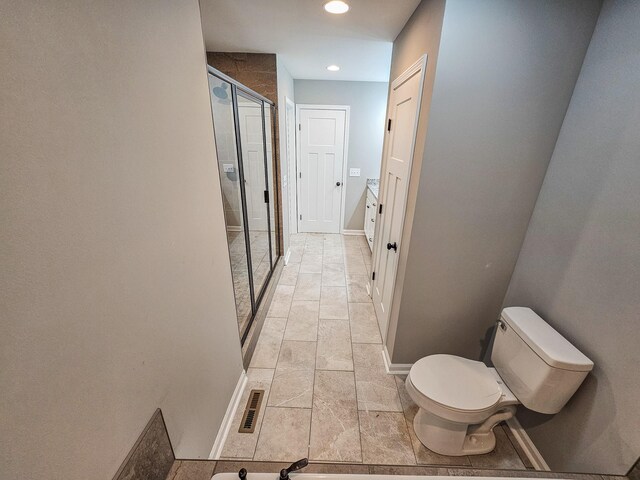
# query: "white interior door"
{"points": [[404, 109], [320, 168], [252, 140]]}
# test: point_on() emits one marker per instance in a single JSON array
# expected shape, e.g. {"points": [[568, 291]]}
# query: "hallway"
{"points": [[319, 361]]}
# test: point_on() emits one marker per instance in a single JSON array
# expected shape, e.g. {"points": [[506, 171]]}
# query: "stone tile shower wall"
{"points": [[152, 455]]}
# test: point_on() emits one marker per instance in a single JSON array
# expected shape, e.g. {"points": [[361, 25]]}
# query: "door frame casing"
{"points": [[419, 65], [292, 164], [345, 157]]}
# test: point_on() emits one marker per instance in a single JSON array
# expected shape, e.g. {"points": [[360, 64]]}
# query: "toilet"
{"points": [[460, 400]]}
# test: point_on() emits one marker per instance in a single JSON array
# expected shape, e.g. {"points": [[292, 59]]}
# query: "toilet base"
{"points": [[458, 439]]}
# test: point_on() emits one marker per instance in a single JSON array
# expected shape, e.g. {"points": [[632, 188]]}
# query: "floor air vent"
{"points": [[250, 416]]}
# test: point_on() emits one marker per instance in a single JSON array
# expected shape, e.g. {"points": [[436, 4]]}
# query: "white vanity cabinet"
{"points": [[370, 217]]}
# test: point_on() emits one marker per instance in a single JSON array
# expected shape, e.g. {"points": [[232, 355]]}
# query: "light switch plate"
{"points": [[354, 172], [228, 168]]}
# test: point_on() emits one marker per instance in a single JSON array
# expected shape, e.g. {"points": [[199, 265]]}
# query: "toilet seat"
{"points": [[456, 388]]}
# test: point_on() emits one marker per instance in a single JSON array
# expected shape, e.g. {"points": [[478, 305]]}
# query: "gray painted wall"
{"points": [[506, 70], [580, 263], [115, 298], [368, 102]]}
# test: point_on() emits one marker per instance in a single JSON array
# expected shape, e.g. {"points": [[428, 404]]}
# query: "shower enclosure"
{"points": [[243, 129]]}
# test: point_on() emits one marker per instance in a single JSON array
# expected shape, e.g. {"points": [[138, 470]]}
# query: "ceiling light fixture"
{"points": [[336, 6], [333, 68]]}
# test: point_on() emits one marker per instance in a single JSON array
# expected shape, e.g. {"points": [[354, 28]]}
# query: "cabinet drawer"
{"points": [[370, 213], [371, 198]]}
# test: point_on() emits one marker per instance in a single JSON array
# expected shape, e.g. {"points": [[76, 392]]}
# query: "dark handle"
{"points": [[338, 184], [242, 474], [284, 473], [367, 206], [393, 245]]}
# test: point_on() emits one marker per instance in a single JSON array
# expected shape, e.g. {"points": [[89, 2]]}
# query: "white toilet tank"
{"points": [[538, 364]]}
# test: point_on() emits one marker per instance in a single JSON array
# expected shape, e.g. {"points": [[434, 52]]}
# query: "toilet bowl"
{"points": [[454, 393], [460, 400]]}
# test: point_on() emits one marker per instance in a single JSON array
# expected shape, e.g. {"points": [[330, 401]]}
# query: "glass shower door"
{"points": [[230, 181], [243, 129], [253, 143]]}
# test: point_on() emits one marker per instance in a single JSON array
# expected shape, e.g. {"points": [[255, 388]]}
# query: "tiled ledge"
{"points": [[151, 456], [204, 469]]}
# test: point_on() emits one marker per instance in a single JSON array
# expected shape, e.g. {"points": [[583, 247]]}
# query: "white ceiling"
{"points": [[308, 39]]}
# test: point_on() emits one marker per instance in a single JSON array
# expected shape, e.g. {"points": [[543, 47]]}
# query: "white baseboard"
{"points": [[394, 368], [527, 445], [353, 232], [223, 431], [286, 257]]}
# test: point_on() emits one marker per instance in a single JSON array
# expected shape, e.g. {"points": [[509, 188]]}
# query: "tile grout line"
{"points": [[355, 385], [315, 370], [517, 450], [348, 320], [503, 426], [255, 448], [406, 421], [276, 367], [284, 407], [313, 390], [315, 360], [394, 380]]}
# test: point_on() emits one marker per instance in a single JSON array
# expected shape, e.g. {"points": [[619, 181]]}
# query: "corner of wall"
{"points": [[421, 35]]}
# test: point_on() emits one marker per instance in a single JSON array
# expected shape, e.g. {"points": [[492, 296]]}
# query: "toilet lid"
{"points": [[455, 382]]}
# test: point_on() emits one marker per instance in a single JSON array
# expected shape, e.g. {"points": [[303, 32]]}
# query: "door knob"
{"points": [[338, 184], [393, 245]]}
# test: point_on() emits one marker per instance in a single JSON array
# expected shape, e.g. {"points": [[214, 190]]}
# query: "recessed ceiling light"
{"points": [[333, 68], [336, 6]]}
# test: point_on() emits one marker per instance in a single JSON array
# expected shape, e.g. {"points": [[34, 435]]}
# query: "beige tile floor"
{"points": [[319, 360]]}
